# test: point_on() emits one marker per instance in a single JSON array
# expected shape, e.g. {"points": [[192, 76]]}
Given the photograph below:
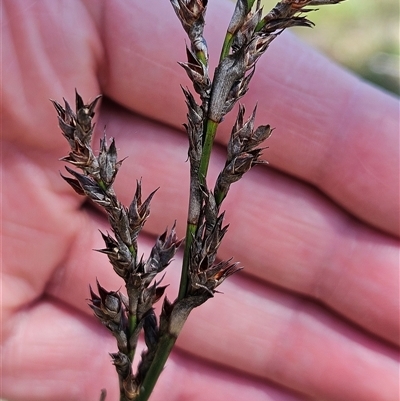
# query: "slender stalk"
{"points": [[226, 46], [192, 225], [235, 72], [202, 57], [164, 348], [125, 318], [219, 197], [211, 130], [132, 323], [233, 28], [190, 231]]}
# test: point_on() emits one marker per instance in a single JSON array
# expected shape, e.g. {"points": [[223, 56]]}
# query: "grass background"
{"points": [[362, 35]]}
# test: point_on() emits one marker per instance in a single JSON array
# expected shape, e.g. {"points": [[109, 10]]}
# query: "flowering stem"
{"points": [[234, 26], [246, 39], [164, 347], [132, 324], [190, 231], [211, 129], [202, 57], [226, 46]]}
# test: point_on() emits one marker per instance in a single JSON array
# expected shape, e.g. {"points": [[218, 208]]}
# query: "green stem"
{"points": [[219, 197], [260, 25], [132, 322], [202, 57], [211, 129], [164, 348], [190, 231], [226, 46], [167, 341], [102, 185]]}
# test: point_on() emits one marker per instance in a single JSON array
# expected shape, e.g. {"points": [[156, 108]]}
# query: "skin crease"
{"points": [[315, 313]]}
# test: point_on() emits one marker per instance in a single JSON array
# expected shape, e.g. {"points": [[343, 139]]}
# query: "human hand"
{"points": [[314, 315]]}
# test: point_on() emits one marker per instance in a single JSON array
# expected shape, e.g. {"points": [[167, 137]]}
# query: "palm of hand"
{"points": [[316, 310]]}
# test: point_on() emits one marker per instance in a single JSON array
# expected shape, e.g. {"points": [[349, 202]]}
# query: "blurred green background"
{"points": [[362, 35]]}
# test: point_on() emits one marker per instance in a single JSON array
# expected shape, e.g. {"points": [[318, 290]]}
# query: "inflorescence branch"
{"points": [[248, 36]]}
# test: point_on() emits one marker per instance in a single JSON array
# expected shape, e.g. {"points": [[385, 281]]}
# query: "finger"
{"points": [[40, 220], [361, 175], [291, 341], [57, 353], [282, 230], [46, 57], [268, 334], [331, 130]]}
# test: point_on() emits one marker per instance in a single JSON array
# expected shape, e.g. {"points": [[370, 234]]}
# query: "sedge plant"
{"points": [[128, 314]]}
